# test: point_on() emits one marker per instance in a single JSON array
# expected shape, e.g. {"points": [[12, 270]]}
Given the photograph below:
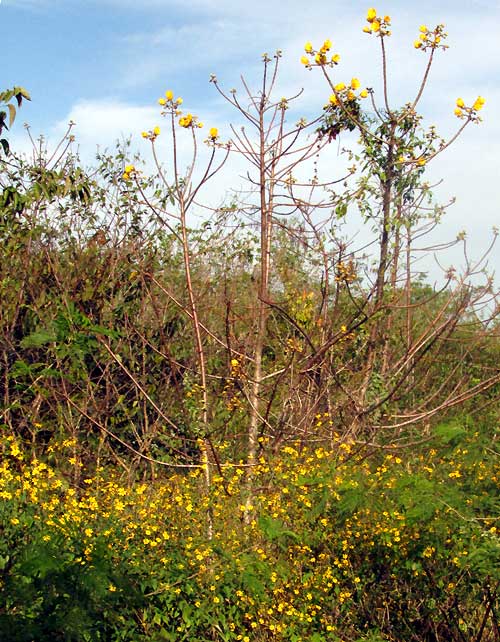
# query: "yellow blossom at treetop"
{"points": [[156, 131], [417, 44], [355, 84], [162, 101], [308, 48], [179, 101], [129, 169], [214, 132], [186, 121], [145, 134], [333, 100], [478, 103], [423, 29], [375, 26], [169, 94], [367, 29], [336, 59], [340, 86], [371, 15], [460, 102], [458, 112], [363, 93], [327, 45], [351, 95], [304, 60]]}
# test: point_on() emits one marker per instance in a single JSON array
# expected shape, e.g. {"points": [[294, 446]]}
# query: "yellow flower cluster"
{"points": [[377, 24], [129, 172], [319, 57], [462, 111], [343, 93], [430, 39], [152, 134]]}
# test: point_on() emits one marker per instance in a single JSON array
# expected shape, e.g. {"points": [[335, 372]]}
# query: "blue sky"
{"points": [[104, 63]]}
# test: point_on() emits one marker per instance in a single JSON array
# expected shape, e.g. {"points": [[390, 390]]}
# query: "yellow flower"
{"points": [[186, 121], [333, 100], [145, 134], [371, 15], [169, 94], [327, 45], [375, 26], [355, 84], [340, 86], [129, 169], [156, 131], [367, 29], [199, 125], [478, 103], [421, 161], [304, 60], [363, 93], [320, 58], [423, 29], [162, 101], [460, 103], [308, 48], [213, 133], [336, 59], [458, 112], [387, 19], [351, 95], [417, 44], [179, 101]]}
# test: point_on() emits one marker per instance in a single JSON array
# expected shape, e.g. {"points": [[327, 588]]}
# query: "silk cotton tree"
{"points": [[393, 197], [274, 150]]}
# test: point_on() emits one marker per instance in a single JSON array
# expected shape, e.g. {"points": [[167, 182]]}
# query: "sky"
{"points": [[104, 63]]}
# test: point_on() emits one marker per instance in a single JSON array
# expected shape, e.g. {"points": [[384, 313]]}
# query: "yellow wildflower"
{"points": [[169, 94], [179, 101], [333, 100], [371, 15], [423, 29], [458, 112], [417, 44], [340, 86], [145, 134], [304, 60], [308, 48], [363, 93], [355, 84], [460, 103], [367, 29], [162, 101], [336, 59], [156, 131], [375, 26], [213, 133]]}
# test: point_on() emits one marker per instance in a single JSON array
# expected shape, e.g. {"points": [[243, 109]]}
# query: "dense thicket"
{"points": [[244, 429]]}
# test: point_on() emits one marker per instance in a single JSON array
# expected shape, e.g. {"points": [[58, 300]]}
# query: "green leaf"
{"points": [[38, 339]]}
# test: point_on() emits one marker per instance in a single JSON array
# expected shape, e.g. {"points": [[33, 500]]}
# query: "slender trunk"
{"points": [[205, 460], [262, 313]]}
